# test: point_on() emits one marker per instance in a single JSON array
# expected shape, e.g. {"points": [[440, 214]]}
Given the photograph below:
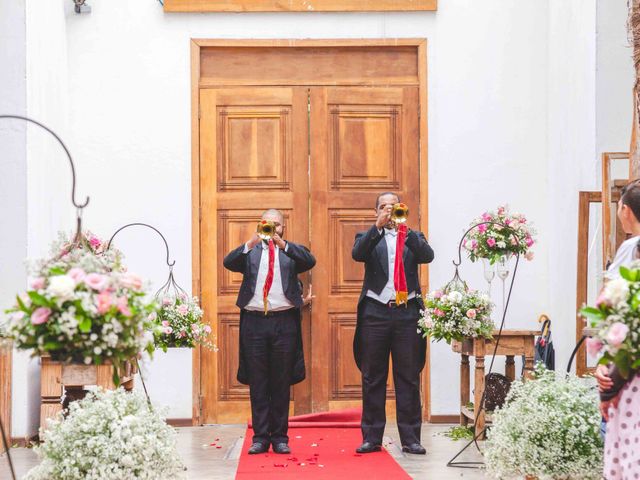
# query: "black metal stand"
{"points": [[480, 408], [77, 238], [169, 285]]}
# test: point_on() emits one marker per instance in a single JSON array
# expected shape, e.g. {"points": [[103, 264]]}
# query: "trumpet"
{"points": [[399, 213], [266, 229]]}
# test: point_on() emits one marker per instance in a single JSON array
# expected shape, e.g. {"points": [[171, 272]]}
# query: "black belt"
{"points": [[391, 303], [270, 314]]}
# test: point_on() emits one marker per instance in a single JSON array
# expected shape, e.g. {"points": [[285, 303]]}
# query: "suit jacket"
{"points": [[371, 249], [297, 259]]}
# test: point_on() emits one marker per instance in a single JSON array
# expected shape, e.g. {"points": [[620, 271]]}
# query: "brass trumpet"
{"points": [[399, 213], [266, 229]]}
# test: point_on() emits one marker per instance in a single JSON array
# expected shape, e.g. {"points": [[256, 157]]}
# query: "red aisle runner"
{"points": [[322, 447]]}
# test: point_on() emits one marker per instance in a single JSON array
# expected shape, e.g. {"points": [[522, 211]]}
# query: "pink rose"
{"points": [[482, 228], [96, 281], [594, 345], [617, 333], [471, 313], [165, 323], [153, 316], [131, 280], [437, 294], [123, 306], [529, 256], [40, 315], [207, 328], [183, 309], [37, 283], [94, 242], [104, 302], [167, 330], [474, 244], [167, 301], [529, 241], [77, 274], [501, 210], [491, 242], [183, 334], [507, 221], [486, 217], [437, 312], [514, 241], [602, 299]]}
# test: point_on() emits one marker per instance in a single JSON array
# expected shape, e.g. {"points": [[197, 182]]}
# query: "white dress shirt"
{"points": [[625, 256], [276, 300], [388, 293]]}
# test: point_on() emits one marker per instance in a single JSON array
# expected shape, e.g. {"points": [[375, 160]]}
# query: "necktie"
{"points": [[399, 278], [269, 280]]}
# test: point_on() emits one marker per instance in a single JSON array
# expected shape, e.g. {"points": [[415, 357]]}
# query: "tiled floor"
{"points": [[206, 462]]}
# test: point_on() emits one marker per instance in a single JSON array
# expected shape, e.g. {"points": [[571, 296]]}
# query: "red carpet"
{"points": [[322, 447]]}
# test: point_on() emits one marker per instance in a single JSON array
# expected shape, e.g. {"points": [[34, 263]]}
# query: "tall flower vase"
{"points": [[503, 271]]}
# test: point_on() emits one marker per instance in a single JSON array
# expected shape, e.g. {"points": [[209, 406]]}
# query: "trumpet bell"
{"points": [[399, 213], [266, 229]]}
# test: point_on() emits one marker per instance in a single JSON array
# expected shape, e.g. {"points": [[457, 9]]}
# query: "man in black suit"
{"points": [[385, 327], [271, 357]]}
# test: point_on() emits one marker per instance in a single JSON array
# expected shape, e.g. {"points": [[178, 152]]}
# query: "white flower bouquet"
{"points": [[616, 316], [109, 435], [181, 324], [548, 428], [492, 240], [453, 314], [83, 307]]}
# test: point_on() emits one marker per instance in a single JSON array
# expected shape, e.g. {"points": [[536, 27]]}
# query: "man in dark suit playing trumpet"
{"points": [[388, 311], [270, 298]]}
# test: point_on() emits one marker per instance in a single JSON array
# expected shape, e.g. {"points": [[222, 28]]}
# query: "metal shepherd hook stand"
{"points": [[168, 285], [479, 408], [78, 236]]}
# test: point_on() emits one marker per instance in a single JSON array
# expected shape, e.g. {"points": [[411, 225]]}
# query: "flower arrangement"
{"points": [[181, 324], [82, 306], [492, 240], [548, 428], [109, 435], [452, 314], [616, 316]]}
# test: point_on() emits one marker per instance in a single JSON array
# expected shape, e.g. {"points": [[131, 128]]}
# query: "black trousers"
{"points": [[385, 331], [270, 344]]}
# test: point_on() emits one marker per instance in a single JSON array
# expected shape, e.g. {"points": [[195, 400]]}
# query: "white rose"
{"points": [[616, 291], [455, 297], [61, 287]]}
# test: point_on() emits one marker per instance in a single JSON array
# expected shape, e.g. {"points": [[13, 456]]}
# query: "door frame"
{"points": [[420, 44]]}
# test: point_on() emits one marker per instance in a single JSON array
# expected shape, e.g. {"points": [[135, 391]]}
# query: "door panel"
{"points": [[254, 155], [363, 141], [255, 145]]}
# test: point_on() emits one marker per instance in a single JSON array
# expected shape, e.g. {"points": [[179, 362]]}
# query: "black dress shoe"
{"points": [[258, 447], [281, 448], [368, 447], [414, 448]]}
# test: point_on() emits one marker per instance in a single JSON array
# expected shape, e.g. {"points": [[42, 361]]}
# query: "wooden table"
{"points": [[512, 343], [58, 380]]}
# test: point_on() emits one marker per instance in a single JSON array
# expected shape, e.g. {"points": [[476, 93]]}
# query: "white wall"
{"points": [[13, 183], [512, 118]]}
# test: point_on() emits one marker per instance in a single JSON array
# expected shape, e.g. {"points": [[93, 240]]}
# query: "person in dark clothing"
{"points": [[271, 356], [388, 312]]}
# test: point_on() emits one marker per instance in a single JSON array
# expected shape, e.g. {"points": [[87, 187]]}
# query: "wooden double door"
{"points": [[321, 155]]}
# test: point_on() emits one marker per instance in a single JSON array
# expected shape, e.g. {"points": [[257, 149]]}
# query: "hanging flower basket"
{"points": [[180, 324], [83, 307], [455, 313], [499, 234]]}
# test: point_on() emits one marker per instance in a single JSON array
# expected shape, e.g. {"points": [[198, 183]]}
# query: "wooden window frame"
{"points": [[299, 5]]}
